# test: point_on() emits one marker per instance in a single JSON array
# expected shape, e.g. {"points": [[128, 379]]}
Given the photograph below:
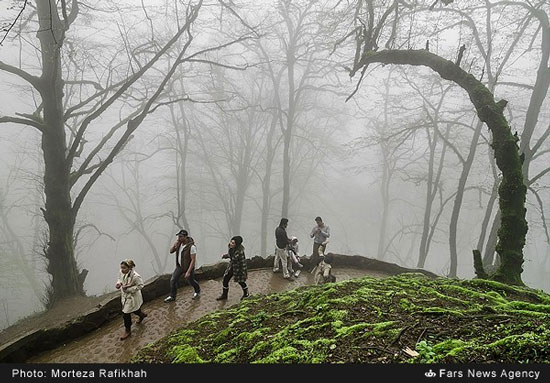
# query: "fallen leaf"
{"points": [[410, 352]]}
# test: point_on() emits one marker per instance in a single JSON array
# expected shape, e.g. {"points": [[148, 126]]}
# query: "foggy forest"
{"points": [[417, 129]]}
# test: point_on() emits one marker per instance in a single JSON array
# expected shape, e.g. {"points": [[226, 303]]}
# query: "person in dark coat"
{"points": [[236, 268], [281, 246], [186, 251]]}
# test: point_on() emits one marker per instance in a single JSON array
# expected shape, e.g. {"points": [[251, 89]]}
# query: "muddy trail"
{"points": [[104, 346]]}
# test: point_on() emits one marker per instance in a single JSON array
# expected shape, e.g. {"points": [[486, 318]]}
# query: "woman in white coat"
{"points": [[130, 284]]}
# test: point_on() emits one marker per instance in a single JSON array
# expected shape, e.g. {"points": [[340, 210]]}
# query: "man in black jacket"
{"points": [[282, 241]]}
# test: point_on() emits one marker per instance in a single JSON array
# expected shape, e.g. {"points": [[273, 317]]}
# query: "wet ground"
{"points": [[104, 346]]}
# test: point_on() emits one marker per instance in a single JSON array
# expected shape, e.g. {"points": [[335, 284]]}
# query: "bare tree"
{"points": [[128, 197], [512, 190], [61, 171], [16, 262]]}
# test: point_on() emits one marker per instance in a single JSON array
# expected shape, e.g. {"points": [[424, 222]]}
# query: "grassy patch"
{"points": [[371, 320]]}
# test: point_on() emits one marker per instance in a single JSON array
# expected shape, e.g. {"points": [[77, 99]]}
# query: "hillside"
{"points": [[408, 318]]}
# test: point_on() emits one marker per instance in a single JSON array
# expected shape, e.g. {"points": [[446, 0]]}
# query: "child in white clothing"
{"points": [[294, 256]]}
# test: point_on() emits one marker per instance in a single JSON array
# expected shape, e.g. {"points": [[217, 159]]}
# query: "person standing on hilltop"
{"points": [[281, 241], [320, 234]]}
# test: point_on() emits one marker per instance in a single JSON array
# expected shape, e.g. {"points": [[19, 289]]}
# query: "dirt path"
{"points": [[103, 345]]}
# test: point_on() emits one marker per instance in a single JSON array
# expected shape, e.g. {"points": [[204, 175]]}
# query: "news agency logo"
{"points": [[430, 374]]}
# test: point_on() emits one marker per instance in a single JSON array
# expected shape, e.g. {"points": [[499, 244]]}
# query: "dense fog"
{"points": [[394, 159]]}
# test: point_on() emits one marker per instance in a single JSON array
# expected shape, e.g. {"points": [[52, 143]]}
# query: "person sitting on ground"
{"points": [[322, 248], [130, 284], [236, 269], [323, 271], [294, 256]]}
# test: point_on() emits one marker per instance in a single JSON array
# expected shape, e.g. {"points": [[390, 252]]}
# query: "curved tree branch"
{"points": [[512, 190]]}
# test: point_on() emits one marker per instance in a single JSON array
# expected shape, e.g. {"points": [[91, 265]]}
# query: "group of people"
{"points": [[287, 254], [130, 282]]}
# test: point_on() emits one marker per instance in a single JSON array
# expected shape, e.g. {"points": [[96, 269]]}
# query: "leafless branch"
{"points": [[14, 21], [33, 80], [23, 121], [543, 218]]}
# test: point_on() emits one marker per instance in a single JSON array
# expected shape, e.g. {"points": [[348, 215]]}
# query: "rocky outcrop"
{"points": [[34, 342]]}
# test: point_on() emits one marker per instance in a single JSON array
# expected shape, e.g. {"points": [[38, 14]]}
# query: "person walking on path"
{"points": [[185, 250], [320, 234], [236, 269], [130, 284], [282, 241]]}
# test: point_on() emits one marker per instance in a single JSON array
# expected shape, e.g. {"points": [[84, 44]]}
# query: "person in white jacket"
{"points": [[130, 284]]}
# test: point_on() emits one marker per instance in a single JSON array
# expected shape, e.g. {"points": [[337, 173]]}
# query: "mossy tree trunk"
{"points": [[512, 190], [58, 211]]}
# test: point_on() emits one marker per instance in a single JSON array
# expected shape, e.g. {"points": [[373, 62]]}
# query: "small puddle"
{"points": [[104, 346]]}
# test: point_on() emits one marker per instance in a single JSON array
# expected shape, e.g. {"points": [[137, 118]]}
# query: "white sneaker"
{"points": [[196, 295], [297, 273], [275, 270], [169, 299]]}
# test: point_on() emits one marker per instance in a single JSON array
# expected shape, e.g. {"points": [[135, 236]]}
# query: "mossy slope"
{"points": [[371, 320]]}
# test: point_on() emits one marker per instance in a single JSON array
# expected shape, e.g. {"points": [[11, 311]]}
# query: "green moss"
{"points": [[249, 336], [440, 310], [222, 336], [519, 346], [526, 306], [226, 356], [286, 354], [181, 336], [185, 354], [528, 313], [449, 347], [259, 348], [349, 330], [497, 297], [336, 315], [383, 325], [370, 320], [406, 304]]}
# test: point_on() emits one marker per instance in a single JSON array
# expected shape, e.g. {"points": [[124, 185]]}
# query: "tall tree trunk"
{"points": [[385, 192], [431, 192], [58, 211], [457, 205], [512, 190], [491, 241], [287, 134], [432, 189], [386, 177], [242, 185], [266, 184], [183, 131], [540, 90]]}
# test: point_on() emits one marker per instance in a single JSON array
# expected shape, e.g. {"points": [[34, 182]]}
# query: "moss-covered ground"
{"points": [[402, 319]]}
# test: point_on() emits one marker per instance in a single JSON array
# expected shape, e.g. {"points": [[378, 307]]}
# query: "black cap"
{"points": [[182, 232]]}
